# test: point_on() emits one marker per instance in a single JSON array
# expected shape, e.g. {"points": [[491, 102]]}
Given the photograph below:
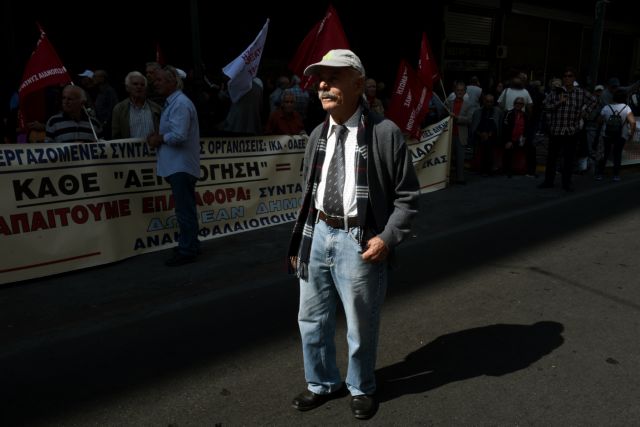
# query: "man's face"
{"points": [[488, 102], [568, 78], [370, 87], [151, 72], [339, 89], [71, 100], [164, 86], [137, 87], [288, 103], [99, 78]]}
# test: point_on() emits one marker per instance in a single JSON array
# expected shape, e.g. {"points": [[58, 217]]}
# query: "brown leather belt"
{"points": [[338, 221]]}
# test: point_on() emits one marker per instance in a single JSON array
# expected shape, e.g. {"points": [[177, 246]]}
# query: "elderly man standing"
{"points": [[135, 117], [178, 151], [361, 193], [73, 124]]}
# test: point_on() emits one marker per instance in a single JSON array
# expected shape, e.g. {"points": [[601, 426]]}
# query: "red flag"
{"points": [[327, 34], [409, 101], [159, 55], [427, 67], [43, 69]]}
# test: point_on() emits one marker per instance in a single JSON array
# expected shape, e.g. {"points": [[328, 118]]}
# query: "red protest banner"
{"points": [[409, 101]]}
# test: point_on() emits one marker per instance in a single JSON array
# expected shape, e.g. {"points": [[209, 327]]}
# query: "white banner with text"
{"points": [[70, 206]]}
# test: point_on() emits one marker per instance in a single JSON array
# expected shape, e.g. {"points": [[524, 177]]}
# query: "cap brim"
{"points": [[313, 69]]}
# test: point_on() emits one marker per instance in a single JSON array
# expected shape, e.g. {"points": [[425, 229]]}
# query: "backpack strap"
{"points": [[617, 113]]}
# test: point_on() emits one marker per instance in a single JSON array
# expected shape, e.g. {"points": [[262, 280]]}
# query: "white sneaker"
{"points": [[598, 177]]}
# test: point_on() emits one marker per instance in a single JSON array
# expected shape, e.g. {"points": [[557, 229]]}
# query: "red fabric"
{"points": [[43, 69], [427, 67], [409, 101], [327, 34], [518, 126]]}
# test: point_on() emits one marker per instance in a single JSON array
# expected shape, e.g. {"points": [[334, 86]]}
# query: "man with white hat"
{"points": [[361, 193]]}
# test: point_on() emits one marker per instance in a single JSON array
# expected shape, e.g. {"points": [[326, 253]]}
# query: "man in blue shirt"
{"points": [[177, 146]]}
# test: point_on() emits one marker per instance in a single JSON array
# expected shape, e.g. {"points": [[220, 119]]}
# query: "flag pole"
{"points": [[444, 104], [86, 111]]}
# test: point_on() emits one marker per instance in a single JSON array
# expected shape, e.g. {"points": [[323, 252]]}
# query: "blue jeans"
{"points": [[183, 186], [337, 271]]}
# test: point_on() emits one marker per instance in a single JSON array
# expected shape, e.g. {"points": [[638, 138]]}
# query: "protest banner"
{"points": [[70, 206], [430, 155]]}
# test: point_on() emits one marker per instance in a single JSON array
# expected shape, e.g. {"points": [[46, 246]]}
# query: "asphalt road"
{"points": [[510, 306]]}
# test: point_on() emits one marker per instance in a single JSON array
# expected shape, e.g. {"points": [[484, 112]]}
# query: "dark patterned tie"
{"points": [[333, 204]]}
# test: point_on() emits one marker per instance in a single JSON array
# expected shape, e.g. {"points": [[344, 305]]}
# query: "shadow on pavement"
{"points": [[493, 350], [214, 313]]}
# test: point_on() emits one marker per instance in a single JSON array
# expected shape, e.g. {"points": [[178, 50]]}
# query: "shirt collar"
{"points": [[352, 122], [172, 97]]}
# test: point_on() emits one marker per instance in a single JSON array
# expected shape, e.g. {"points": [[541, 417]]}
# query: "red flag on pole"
{"points": [[327, 34], [427, 67], [43, 69], [409, 101]]}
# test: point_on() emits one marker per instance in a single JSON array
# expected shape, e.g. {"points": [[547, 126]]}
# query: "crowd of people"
{"points": [[103, 110], [498, 129], [495, 128], [360, 189]]}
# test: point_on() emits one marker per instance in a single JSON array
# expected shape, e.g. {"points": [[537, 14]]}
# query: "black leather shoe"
{"points": [[179, 259], [569, 188], [308, 400], [545, 185], [364, 406]]}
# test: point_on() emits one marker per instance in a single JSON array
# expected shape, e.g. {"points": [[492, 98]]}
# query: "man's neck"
{"points": [[76, 115], [341, 117], [137, 101]]}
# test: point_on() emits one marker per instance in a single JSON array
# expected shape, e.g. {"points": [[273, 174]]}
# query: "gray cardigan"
{"points": [[120, 128], [392, 181]]}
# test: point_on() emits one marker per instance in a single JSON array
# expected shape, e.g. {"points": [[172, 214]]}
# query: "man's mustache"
{"points": [[326, 95]]}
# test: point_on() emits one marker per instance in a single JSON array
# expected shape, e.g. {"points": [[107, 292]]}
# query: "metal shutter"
{"points": [[465, 28]]}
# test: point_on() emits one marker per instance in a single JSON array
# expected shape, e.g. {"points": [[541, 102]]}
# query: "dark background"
{"points": [[120, 36]]}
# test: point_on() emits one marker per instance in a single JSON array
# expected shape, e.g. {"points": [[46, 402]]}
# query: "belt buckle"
{"points": [[336, 221]]}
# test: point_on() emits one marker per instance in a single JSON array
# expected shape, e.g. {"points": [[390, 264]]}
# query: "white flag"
{"points": [[244, 68]]}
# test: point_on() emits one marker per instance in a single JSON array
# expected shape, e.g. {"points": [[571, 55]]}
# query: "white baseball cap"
{"points": [[86, 73], [336, 58]]}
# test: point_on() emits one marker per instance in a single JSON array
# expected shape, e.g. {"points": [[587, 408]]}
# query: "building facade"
{"points": [[495, 39]]}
